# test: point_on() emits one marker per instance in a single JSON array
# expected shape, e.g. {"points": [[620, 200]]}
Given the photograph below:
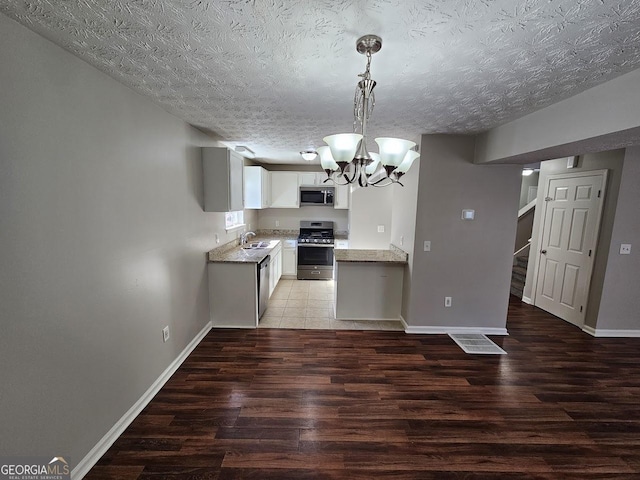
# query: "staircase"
{"points": [[522, 246], [518, 275]]}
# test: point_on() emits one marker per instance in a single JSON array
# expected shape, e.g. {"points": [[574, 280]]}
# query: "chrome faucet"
{"points": [[244, 237]]}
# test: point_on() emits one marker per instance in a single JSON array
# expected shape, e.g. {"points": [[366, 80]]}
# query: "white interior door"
{"points": [[573, 207]]}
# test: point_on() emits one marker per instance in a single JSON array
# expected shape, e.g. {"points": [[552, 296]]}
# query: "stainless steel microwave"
{"points": [[317, 196]]}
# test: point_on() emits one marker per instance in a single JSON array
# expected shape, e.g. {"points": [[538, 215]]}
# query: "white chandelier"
{"points": [[346, 159]]}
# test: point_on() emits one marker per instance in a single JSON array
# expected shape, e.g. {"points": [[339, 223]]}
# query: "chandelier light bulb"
{"points": [[371, 168], [393, 150], [326, 159], [343, 146], [408, 161]]}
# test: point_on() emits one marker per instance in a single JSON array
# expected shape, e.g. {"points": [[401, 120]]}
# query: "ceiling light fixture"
{"points": [[309, 155], [346, 158]]}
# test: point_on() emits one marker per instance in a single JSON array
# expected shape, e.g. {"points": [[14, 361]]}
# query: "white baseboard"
{"points": [[527, 300], [235, 326], [446, 330], [602, 332], [369, 319], [404, 323], [112, 435]]}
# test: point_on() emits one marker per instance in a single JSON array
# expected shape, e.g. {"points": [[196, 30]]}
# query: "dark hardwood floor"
{"points": [[303, 404]]}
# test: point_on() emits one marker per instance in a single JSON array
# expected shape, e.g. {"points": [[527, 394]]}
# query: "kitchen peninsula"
{"points": [[368, 284]]}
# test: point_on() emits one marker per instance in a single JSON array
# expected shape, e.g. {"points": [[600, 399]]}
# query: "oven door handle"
{"points": [[316, 245]]}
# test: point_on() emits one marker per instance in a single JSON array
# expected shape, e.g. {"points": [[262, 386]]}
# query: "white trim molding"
{"points": [[404, 323], [121, 425], [527, 300], [446, 330], [602, 332]]}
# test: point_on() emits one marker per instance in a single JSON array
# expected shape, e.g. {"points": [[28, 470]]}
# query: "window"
{"points": [[233, 219]]}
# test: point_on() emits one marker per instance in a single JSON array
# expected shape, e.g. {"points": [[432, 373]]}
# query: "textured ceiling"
{"points": [[278, 75]]}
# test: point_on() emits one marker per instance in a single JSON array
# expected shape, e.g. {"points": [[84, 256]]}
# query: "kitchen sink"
{"points": [[254, 245]]}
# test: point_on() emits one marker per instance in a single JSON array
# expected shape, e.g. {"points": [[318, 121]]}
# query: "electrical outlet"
{"points": [[217, 237], [165, 334], [625, 249], [447, 301], [401, 240], [427, 246], [380, 228], [277, 223]]}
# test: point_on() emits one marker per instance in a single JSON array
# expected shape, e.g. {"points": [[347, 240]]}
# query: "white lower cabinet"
{"points": [[290, 258], [275, 271], [233, 295]]}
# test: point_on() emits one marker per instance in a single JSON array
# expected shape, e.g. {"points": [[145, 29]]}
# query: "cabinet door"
{"points": [[272, 278], [236, 182], [307, 178], [284, 190], [278, 267], [266, 188], [289, 266], [341, 199], [223, 180], [256, 188]]}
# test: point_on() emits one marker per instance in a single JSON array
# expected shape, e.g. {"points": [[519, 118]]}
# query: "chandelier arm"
{"points": [[350, 180], [391, 181]]}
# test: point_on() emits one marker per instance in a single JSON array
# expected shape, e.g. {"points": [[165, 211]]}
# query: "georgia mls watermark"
{"points": [[34, 468]]}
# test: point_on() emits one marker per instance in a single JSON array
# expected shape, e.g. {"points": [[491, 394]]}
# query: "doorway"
{"points": [[569, 230]]}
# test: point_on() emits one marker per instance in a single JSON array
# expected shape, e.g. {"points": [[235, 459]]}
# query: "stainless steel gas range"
{"points": [[315, 250]]}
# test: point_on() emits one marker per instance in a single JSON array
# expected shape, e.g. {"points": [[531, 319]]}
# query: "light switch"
{"points": [[427, 246], [625, 249], [468, 214], [380, 228]]}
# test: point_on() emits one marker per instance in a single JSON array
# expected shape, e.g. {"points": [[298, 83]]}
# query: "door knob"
{"points": [[544, 252]]}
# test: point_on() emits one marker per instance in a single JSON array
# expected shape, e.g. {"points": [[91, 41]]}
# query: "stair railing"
{"points": [[520, 250]]}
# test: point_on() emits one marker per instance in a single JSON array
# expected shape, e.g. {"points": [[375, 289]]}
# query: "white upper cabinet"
{"points": [[223, 180], [308, 179], [257, 188], [341, 198], [285, 190]]}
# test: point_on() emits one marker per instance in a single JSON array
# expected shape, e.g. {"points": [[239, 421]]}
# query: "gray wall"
{"points": [[620, 302], [469, 260], [368, 208], [103, 239], [602, 118], [606, 160], [403, 225]]}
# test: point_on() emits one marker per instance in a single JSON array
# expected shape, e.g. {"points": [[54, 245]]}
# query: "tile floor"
{"points": [[308, 304]]}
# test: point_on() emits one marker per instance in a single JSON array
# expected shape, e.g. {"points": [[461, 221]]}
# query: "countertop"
{"points": [[393, 255], [233, 253]]}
